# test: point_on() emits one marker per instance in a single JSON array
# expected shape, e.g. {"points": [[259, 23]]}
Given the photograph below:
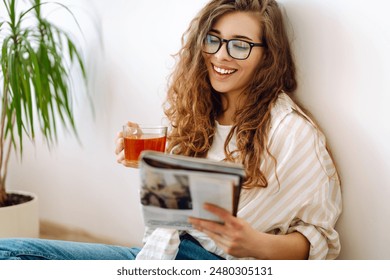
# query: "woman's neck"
{"points": [[226, 118], [230, 104]]}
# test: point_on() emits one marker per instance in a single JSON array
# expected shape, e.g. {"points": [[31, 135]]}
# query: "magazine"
{"points": [[175, 187]]}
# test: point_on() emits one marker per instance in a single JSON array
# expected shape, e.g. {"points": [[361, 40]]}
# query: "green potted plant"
{"points": [[35, 57]]}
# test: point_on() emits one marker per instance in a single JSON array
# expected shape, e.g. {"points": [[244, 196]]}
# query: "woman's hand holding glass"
{"points": [[120, 148], [135, 138]]}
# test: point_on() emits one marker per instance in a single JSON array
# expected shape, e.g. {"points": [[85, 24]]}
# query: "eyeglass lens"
{"points": [[237, 49]]}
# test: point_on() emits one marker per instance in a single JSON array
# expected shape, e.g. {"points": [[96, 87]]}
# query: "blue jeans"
{"points": [[42, 249]]}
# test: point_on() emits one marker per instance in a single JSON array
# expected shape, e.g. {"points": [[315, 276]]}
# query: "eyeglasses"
{"points": [[237, 49]]}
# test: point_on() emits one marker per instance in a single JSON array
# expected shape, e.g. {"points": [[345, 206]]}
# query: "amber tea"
{"points": [[143, 138]]}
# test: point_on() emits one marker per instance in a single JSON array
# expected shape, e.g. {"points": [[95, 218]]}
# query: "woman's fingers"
{"points": [[119, 141], [223, 241], [132, 124], [223, 214], [120, 157], [203, 225], [119, 148]]}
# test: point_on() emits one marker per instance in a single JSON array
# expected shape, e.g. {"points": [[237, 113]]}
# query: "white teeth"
{"points": [[223, 71]]}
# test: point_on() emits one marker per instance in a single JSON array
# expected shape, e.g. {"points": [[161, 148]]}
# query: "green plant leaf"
{"points": [[36, 60]]}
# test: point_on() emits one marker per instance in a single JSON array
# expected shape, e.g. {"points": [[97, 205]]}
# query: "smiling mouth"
{"points": [[223, 71]]}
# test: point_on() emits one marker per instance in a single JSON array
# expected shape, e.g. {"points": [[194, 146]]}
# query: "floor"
{"points": [[50, 230]]}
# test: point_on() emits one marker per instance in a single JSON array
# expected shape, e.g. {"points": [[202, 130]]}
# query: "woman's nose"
{"points": [[222, 53]]}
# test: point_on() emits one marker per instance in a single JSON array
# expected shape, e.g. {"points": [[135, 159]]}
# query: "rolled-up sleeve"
{"points": [[309, 181], [316, 221]]}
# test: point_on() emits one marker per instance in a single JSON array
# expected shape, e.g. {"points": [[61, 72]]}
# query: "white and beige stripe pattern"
{"points": [[303, 192], [307, 197]]}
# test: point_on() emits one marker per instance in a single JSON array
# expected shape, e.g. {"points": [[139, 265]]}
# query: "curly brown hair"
{"points": [[192, 105]]}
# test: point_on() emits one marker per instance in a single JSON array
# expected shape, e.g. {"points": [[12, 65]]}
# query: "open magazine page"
{"points": [[170, 196]]}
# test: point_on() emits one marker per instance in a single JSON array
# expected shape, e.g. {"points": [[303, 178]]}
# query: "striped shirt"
{"points": [[303, 192]]}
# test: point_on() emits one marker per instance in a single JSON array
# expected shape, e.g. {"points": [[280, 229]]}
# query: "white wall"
{"points": [[343, 62], [342, 50]]}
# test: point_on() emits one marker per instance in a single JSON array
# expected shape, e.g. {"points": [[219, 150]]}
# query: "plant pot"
{"points": [[20, 220]]}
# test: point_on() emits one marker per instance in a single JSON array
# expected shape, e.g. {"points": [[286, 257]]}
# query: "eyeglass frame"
{"points": [[221, 41]]}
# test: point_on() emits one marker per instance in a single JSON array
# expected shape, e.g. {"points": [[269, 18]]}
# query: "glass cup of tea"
{"points": [[141, 138]]}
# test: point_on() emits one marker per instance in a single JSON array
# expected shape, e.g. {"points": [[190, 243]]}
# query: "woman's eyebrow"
{"points": [[234, 36]]}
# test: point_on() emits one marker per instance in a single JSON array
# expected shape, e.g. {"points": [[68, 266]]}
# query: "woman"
{"points": [[229, 100]]}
